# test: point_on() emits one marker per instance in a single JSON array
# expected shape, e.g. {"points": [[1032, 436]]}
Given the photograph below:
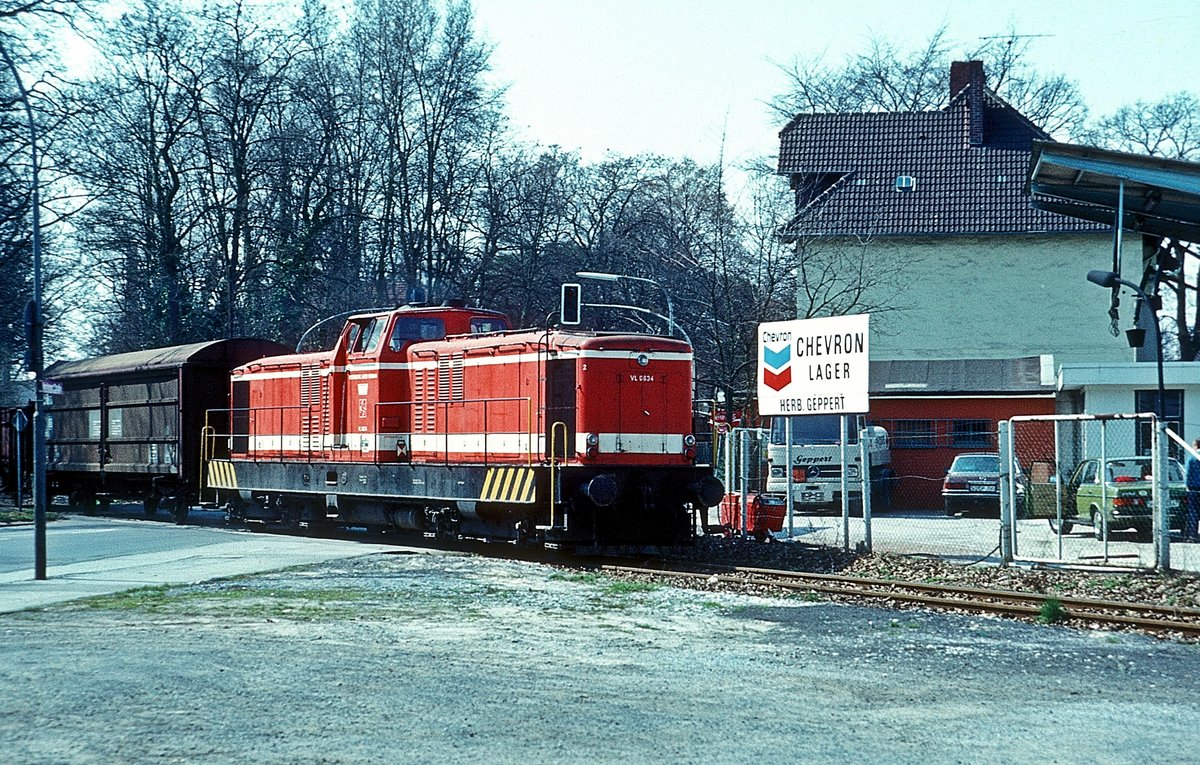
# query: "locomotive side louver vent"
{"points": [[450, 377], [425, 389], [313, 407]]}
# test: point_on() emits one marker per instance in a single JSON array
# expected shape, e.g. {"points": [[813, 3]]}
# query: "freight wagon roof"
{"points": [[212, 352]]}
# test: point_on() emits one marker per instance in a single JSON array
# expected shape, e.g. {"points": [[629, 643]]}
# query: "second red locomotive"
{"points": [[440, 419]]}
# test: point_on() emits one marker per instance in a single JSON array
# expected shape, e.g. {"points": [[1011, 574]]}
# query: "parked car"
{"points": [[1123, 500], [972, 484]]}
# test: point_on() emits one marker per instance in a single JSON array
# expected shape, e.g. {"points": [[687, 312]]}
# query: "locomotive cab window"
{"points": [[366, 338], [482, 325], [408, 329]]}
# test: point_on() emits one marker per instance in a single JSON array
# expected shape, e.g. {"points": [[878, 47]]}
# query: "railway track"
{"points": [[1155, 619]]}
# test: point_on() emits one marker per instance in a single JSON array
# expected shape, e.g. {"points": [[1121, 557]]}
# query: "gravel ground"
{"points": [[1170, 589], [443, 657]]}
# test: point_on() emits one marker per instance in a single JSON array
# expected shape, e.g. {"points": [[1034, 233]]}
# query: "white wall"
{"points": [[997, 297], [1109, 388]]}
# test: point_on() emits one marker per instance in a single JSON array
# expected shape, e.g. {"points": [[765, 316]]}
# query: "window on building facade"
{"points": [[1146, 401], [914, 434], [971, 434]]}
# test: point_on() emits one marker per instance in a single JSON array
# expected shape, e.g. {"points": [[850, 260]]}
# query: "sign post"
{"points": [[19, 422], [816, 366]]}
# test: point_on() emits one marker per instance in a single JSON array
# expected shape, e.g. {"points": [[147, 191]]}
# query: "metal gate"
{"points": [[743, 463], [1089, 490]]}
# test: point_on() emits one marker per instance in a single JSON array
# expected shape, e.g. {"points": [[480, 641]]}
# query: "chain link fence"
{"points": [[1072, 489], [1094, 489]]}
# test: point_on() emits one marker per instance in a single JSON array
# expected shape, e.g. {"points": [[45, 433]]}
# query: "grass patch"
{"points": [[621, 587], [25, 515], [239, 602], [896, 624], [1052, 611], [576, 578]]}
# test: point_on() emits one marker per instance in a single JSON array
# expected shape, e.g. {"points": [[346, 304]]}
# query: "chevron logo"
{"points": [[777, 374], [777, 381], [779, 358]]}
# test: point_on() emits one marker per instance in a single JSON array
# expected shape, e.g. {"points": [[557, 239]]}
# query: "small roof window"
{"points": [[905, 183]]}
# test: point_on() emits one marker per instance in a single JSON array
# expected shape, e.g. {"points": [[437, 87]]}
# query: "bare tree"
{"points": [[133, 149], [24, 79], [890, 78], [1168, 128], [246, 82]]}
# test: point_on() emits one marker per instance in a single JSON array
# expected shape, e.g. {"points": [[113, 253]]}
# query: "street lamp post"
{"points": [[1110, 279], [1162, 533], [35, 340]]}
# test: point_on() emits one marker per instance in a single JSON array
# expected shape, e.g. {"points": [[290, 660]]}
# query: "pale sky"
{"points": [[673, 77]]}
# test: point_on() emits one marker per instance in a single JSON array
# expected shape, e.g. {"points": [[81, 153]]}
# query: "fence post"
{"points": [[791, 502], [1161, 495], [1007, 493], [844, 435], [864, 461], [745, 478]]}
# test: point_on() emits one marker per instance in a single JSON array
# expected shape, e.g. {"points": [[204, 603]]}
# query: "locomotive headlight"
{"points": [[593, 439], [852, 471], [689, 440], [643, 359]]}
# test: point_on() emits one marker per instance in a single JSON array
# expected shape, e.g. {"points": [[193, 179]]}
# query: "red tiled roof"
{"points": [[845, 167]]}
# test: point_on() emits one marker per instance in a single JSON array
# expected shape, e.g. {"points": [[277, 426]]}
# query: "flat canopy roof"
{"points": [[1161, 196]]}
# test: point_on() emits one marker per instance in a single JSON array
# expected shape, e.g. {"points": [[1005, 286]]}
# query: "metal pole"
{"points": [[791, 502], [864, 460], [745, 445], [1007, 494], [1058, 496], [35, 341], [845, 488], [20, 467], [1161, 495], [1104, 486]]}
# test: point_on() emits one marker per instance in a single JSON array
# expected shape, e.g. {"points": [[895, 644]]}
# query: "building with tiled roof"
{"points": [[937, 199]]}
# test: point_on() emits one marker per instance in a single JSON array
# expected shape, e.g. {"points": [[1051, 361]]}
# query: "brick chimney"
{"points": [[962, 75]]}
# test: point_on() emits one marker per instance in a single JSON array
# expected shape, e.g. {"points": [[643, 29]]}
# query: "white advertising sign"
{"points": [[814, 366]]}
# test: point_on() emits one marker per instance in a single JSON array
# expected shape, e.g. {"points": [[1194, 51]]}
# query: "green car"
{"points": [[1123, 501]]}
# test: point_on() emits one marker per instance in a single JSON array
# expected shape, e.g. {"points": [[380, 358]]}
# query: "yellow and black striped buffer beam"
{"points": [[221, 475], [508, 484]]}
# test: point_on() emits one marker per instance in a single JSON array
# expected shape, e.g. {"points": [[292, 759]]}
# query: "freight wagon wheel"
{"points": [[150, 505], [180, 510], [82, 500]]}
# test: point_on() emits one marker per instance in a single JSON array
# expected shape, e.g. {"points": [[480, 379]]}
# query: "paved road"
{"points": [[94, 556]]}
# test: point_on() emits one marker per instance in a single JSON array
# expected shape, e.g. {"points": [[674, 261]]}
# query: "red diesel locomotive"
{"points": [[441, 420]]}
